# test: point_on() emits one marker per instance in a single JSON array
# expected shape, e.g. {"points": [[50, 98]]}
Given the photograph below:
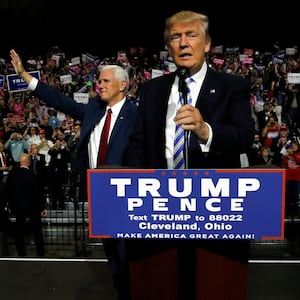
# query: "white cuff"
{"points": [[205, 147], [33, 83]]}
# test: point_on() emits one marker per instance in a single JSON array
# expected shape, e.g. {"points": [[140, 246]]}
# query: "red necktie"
{"points": [[103, 140], [3, 158]]}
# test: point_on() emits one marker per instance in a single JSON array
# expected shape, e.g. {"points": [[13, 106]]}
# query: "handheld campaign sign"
{"points": [[17, 84], [186, 204], [1, 81]]}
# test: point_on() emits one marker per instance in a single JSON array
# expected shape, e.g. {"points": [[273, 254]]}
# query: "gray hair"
{"points": [[120, 73], [24, 159]]}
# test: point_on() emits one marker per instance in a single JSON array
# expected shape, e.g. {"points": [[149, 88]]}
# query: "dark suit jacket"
{"points": [[3, 186], [39, 165], [224, 102], [24, 193], [9, 162], [41, 171], [90, 114]]}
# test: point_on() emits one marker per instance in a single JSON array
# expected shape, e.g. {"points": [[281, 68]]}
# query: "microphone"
{"points": [[183, 73]]}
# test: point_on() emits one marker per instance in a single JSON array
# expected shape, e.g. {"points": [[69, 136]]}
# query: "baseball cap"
{"points": [[284, 127]]}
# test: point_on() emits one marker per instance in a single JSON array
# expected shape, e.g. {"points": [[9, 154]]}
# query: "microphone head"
{"points": [[183, 72]]}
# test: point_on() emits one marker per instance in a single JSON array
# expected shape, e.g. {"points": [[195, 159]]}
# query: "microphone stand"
{"points": [[186, 137], [186, 253], [183, 73]]}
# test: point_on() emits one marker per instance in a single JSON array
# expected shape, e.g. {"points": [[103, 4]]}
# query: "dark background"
{"points": [[104, 27]]}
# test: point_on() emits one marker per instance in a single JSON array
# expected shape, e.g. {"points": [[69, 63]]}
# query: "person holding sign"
{"points": [[215, 115]]}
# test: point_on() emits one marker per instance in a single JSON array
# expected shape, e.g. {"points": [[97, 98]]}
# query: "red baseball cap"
{"points": [[284, 127]]}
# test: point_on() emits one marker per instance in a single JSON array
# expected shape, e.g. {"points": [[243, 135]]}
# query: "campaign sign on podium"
{"points": [[186, 204]]}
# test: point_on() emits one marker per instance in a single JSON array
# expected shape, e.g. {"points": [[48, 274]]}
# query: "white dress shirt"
{"points": [[96, 133], [94, 141], [173, 106]]}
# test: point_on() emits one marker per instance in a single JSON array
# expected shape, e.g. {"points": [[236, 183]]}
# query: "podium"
{"points": [[216, 212], [188, 270]]}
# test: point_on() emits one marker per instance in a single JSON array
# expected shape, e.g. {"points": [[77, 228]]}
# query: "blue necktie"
{"points": [[179, 141]]}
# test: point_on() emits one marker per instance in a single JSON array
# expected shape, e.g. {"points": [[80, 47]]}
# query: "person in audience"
{"points": [[67, 125], [9, 129], [3, 108], [38, 167], [25, 201], [264, 157], [45, 145], [72, 144], [263, 116], [270, 132], [293, 102], [58, 133], [6, 164], [31, 135], [291, 162], [53, 120], [46, 127], [16, 145], [255, 150], [57, 171], [280, 145]]}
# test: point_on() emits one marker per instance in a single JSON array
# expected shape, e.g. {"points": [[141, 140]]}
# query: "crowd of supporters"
{"points": [[275, 100]]}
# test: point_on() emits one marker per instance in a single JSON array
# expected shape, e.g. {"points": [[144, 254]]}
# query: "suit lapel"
{"points": [[96, 111], [208, 94], [122, 117]]}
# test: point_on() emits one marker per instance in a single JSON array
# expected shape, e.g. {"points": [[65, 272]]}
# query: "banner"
{"points": [[186, 204]]}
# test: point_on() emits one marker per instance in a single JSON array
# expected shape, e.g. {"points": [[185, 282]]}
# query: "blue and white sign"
{"points": [[1, 81], [187, 204], [16, 84]]}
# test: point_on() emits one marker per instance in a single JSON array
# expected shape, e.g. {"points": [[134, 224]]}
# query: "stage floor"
{"points": [[89, 279]]}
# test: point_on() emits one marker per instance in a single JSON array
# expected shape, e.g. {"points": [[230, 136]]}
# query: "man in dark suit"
{"points": [[264, 115], [113, 87], [6, 164], [38, 162], [58, 172], [25, 201], [38, 167], [220, 127], [72, 143]]}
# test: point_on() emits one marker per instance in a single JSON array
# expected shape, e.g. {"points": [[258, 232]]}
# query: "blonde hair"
{"points": [[187, 16]]}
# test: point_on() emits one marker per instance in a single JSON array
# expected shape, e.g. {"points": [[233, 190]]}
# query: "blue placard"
{"points": [[1, 81], [186, 204], [16, 84]]}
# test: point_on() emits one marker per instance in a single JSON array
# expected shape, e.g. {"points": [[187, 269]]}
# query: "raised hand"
{"points": [[16, 62], [18, 66]]}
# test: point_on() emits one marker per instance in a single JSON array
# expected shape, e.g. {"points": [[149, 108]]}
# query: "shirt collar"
{"points": [[199, 76], [115, 109]]}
